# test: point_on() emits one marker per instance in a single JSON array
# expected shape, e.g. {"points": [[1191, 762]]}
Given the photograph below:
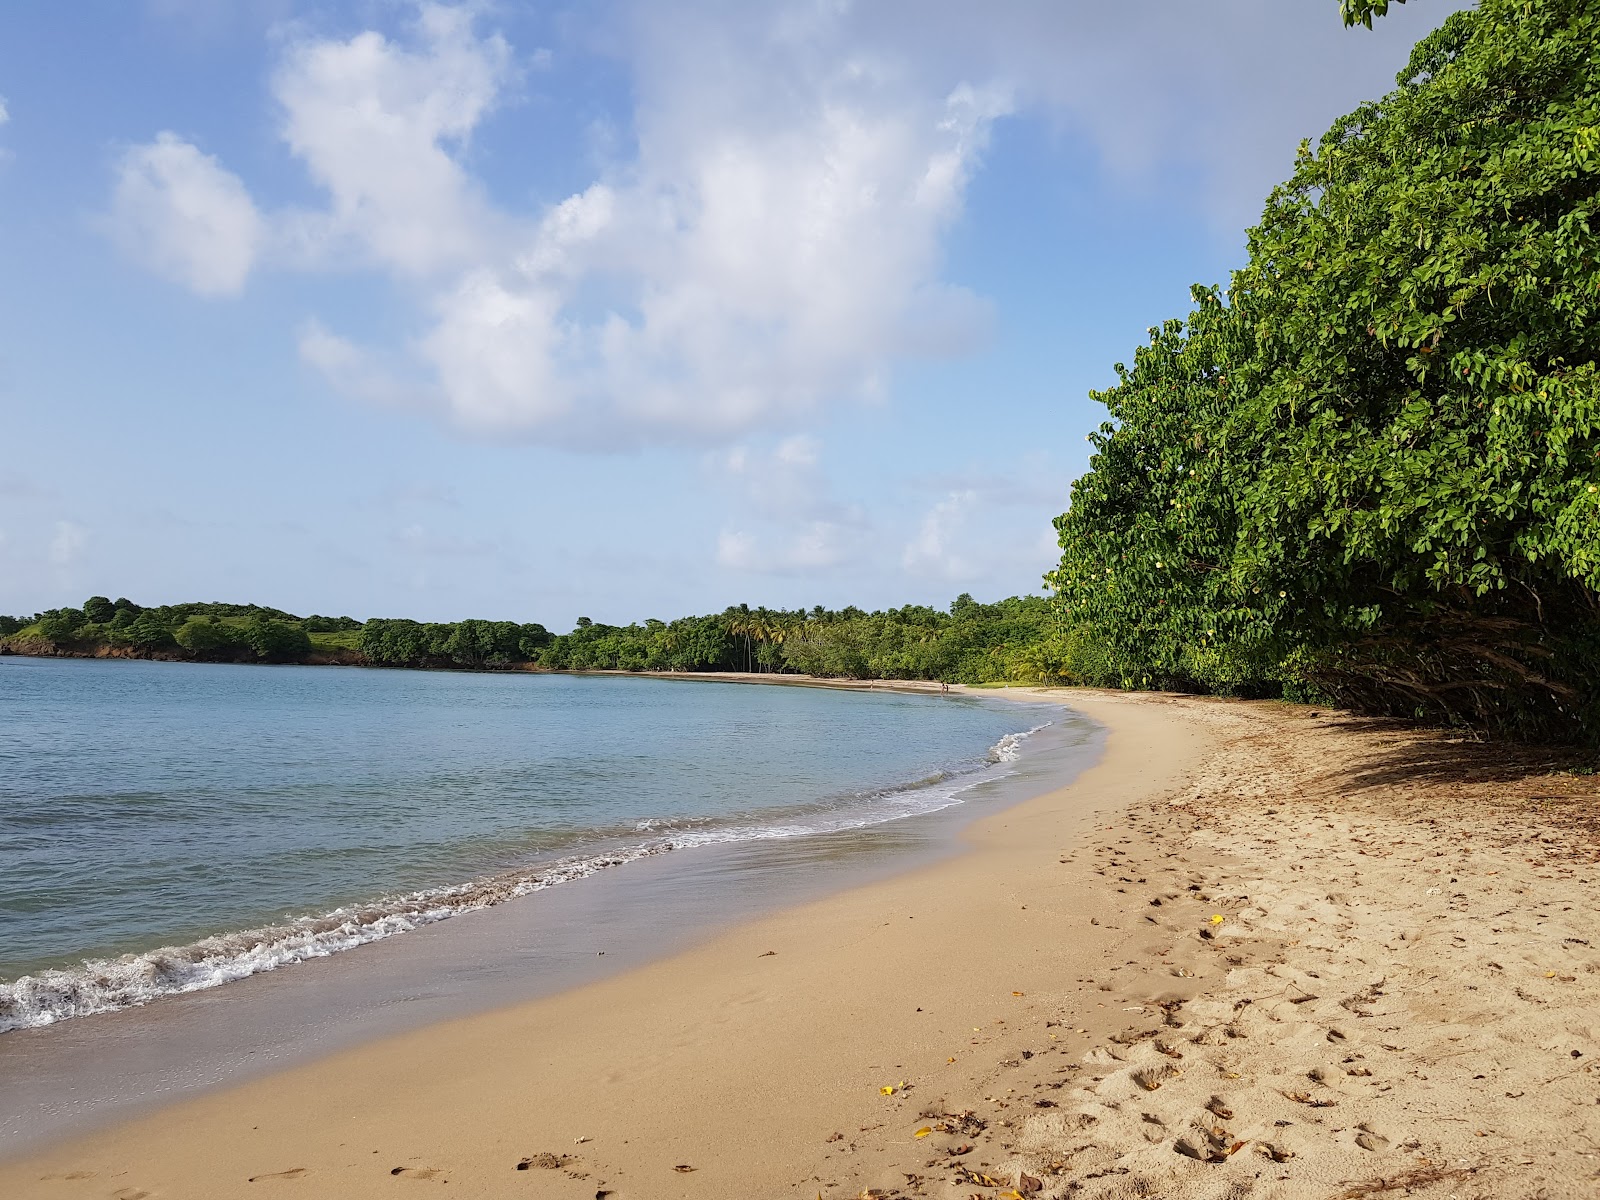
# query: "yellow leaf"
{"points": [[1549, 974], [1017, 993], [951, 1059], [887, 1089], [923, 1132], [1217, 918]]}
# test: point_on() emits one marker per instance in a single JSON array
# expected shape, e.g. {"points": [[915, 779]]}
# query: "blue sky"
{"points": [[617, 309]]}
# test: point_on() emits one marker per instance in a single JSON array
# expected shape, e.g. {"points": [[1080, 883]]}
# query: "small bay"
{"points": [[167, 827]]}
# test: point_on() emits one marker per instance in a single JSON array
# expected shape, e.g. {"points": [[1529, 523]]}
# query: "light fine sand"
{"points": [[1257, 951]]}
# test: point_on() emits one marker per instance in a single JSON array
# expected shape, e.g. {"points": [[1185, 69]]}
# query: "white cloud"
{"points": [[935, 550], [769, 241], [68, 543], [773, 245], [185, 216], [374, 121], [5, 113]]}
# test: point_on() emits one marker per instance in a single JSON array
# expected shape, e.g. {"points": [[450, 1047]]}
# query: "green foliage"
{"points": [[150, 630], [1371, 472], [1361, 12], [10, 625], [972, 642], [99, 610], [275, 640], [207, 637], [60, 624]]}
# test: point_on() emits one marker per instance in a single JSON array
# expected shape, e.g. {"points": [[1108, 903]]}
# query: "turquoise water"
{"points": [[169, 827]]}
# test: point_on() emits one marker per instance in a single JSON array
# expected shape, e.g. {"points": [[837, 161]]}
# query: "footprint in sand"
{"points": [[68, 1175], [130, 1194], [291, 1173], [417, 1172]]}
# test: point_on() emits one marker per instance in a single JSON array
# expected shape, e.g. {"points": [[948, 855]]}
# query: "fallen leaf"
{"points": [[1217, 918], [683, 1168], [923, 1132], [1018, 993]]}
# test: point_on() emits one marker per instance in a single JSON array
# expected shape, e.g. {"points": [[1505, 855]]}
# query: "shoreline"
{"points": [[316, 934], [65, 1081], [938, 906], [12, 649], [1255, 950]]}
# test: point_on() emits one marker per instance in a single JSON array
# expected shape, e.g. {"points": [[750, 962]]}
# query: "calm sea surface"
{"points": [[170, 827]]}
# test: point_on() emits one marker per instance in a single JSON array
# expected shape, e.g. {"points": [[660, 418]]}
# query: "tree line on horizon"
{"points": [[970, 642]]}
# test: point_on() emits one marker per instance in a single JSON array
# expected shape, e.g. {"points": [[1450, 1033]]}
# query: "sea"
{"points": [[172, 828]]}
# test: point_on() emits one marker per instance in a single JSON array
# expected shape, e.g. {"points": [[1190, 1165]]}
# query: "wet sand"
{"points": [[1254, 951]]}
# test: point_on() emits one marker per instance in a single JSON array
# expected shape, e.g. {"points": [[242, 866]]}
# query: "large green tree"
{"points": [[1372, 468]]}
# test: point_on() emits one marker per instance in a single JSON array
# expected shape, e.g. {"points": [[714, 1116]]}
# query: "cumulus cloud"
{"points": [[5, 113], [769, 238], [375, 122], [181, 213]]}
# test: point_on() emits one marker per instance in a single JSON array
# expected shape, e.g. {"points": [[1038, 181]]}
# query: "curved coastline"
{"points": [[99, 986], [55, 1116]]}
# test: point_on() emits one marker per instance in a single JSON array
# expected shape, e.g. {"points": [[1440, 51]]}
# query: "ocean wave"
{"points": [[106, 985]]}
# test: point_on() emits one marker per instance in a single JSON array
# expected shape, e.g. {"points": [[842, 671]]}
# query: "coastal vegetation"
{"points": [[1368, 471], [970, 642]]}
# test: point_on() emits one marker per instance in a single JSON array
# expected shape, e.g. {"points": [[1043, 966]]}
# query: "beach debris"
{"points": [[767, 954], [1404, 1182], [1309, 1100], [683, 1168], [1217, 918], [1218, 1107], [968, 1175], [1019, 993], [890, 1089], [923, 1132], [967, 1123], [834, 1137], [291, 1173], [1028, 1184], [581, 1141], [544, 1161]]}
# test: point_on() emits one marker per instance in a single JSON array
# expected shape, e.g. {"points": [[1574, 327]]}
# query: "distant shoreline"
{"points": [[9, 648]]}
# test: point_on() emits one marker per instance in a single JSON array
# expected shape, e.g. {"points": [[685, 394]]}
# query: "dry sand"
{"points": [[1256, 951]]}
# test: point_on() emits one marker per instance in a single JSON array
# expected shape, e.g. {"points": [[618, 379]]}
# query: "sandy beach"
{"points": [[1256, 951]]}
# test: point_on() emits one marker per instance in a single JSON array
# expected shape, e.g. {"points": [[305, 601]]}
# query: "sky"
{"points": [[622, 309]]}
